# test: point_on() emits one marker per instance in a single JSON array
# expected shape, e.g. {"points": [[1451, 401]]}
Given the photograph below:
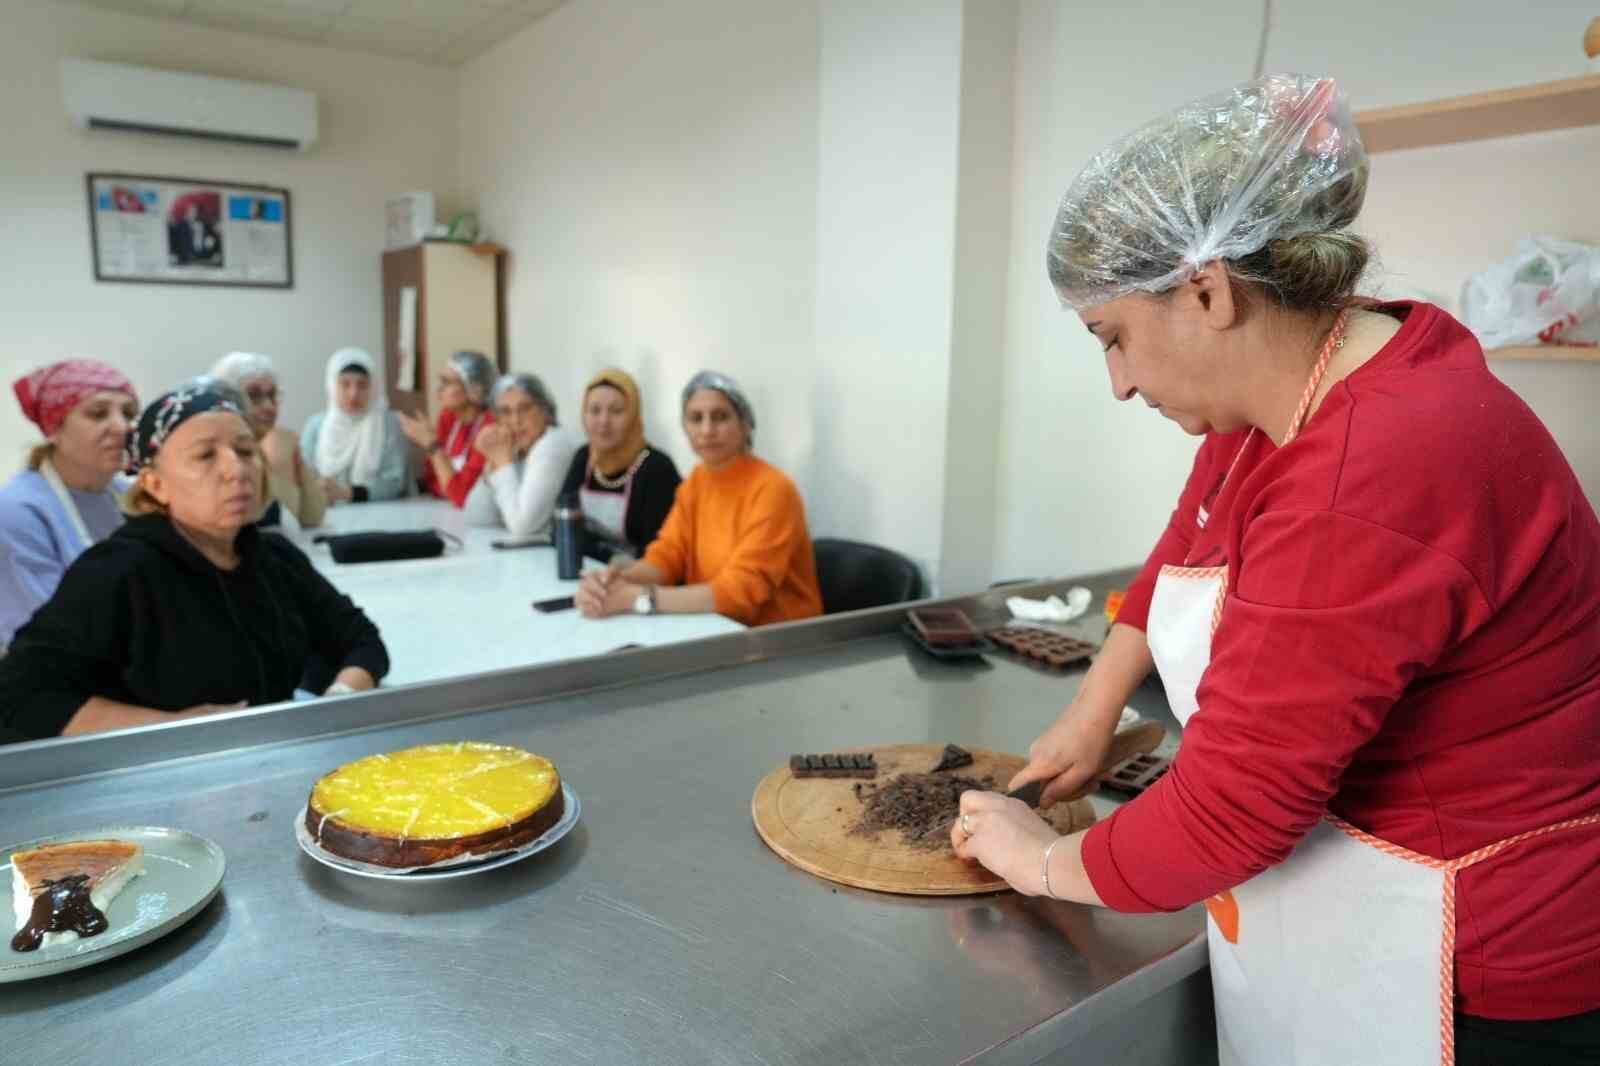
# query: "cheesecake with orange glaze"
{"points": [[435, 803]]}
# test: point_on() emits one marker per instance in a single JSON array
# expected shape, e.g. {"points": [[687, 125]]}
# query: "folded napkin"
{"points": [[1052, 610]]}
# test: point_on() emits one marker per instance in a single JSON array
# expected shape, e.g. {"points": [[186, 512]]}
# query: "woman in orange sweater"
{"points": [[735, 541]]}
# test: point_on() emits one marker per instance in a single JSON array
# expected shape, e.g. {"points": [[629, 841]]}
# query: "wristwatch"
{"points": [[645, 602]]}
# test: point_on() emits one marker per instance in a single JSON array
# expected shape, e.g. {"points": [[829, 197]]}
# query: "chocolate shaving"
{"points": [[920, 807]]}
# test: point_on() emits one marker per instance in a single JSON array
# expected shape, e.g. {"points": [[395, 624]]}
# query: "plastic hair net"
{"points": [[530, 384], [235, 367], [477, 374], [710, 379], [1219, 178]]}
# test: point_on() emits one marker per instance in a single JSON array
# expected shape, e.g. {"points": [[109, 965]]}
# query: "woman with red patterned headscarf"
{"points": [[65, 499]]}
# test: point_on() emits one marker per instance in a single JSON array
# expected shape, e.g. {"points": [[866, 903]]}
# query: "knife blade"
{"points": [[1140, 739], [1028, 793]]}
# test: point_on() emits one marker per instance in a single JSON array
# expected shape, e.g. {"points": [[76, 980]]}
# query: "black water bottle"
{"points": [[568, 538]]}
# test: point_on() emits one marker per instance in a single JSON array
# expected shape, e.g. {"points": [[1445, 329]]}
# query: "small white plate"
{"points": [[181, 874], [569, 818]]}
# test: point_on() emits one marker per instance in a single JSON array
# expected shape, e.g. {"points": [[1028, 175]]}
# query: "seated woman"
{"points": [[527, 455], [624, 486], [735, 541], [188, 608], [356, 444], [290, 483], [66, 498], [452, 463]]}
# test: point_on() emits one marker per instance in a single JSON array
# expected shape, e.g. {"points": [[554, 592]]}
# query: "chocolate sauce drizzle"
{"points": [[63, 905]]}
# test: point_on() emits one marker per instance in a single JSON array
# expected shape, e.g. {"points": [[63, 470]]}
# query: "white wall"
{"points": [[1086, 483], [775, 190], [886, 230], [387, 126], [653, 170], [975, 415]]}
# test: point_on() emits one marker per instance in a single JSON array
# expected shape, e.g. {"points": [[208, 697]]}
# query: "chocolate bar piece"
{"points": [[953, 758], [1042, 645], [834, 765]]}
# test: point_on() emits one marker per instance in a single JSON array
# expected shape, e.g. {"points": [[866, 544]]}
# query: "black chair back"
{"points": [[854, 576]]}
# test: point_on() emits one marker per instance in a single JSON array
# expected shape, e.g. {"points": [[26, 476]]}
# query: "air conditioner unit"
{"points": [[118, 97]]}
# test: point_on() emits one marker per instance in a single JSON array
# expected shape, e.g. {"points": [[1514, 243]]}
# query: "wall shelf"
{"points": [[1553, 105], [1546, 353]]}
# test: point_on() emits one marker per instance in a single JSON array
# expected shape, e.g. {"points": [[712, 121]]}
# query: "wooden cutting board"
{"points": [[807, 821]]}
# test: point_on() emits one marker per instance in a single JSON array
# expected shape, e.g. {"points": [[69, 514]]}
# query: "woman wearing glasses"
{"points": [[289, 482]]}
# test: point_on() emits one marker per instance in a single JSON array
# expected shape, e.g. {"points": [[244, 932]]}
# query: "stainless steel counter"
{"points": [[661, 930]]}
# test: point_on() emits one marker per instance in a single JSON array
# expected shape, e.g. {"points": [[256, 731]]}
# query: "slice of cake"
{"points": [[61, 891], [434, 803]]}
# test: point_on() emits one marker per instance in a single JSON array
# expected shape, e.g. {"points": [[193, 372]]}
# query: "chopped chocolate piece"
{"points": [[797, 765], [953, 758], [919, 806]]}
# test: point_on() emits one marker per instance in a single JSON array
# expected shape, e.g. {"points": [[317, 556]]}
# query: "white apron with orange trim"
{"points": [[1343, 954]]}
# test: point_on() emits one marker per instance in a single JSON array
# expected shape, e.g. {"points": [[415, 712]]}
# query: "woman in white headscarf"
{"points": [[356, 444], [289, 481]]}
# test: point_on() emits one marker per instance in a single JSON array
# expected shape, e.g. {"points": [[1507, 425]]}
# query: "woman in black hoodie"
{"points": [[187, 609]]}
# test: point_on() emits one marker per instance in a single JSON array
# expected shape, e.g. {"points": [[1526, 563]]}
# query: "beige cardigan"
{"points": [[289, 479]]}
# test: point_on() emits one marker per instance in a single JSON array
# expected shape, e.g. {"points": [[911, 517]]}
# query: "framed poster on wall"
{"points": [[184, 231]]}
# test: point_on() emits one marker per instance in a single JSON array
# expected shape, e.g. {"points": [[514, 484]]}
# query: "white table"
{"points": [[470, 610]]}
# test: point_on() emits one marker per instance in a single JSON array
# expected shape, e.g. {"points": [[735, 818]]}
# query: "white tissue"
{"points": [[1052, 610]]}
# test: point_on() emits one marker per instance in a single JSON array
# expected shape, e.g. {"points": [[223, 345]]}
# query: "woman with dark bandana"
{"points": [[187, 609]]}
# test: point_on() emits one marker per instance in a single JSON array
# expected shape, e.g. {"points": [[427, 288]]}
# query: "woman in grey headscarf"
{"points": [[735, 541], [453, 464], [290, 482], [526, 454]]}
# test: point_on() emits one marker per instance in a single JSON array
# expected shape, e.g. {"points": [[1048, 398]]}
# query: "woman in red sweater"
{"points": [[1376, 609], [451, 464]]}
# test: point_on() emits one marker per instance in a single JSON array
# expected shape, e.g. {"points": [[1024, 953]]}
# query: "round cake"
{"points": [[431, 804]]}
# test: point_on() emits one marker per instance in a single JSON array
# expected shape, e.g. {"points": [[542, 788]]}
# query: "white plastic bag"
{"points": [[1548, 292]]}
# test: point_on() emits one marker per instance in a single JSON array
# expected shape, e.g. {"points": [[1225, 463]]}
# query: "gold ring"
{"points": [[966, 826]]}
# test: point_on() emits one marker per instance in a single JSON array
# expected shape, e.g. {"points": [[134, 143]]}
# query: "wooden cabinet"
{"points": [[459, 305]]}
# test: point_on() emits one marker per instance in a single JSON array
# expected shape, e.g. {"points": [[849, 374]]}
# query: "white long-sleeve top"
{"points": [[522, 495]]}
